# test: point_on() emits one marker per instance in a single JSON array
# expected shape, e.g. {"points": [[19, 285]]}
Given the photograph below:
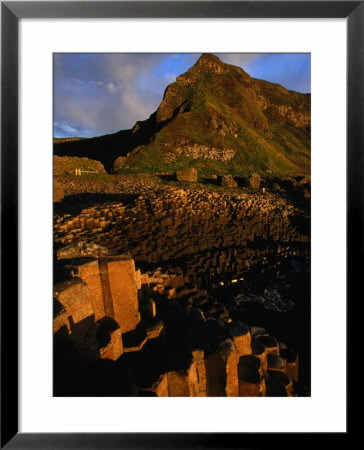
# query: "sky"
{"points": [[102, 93]]}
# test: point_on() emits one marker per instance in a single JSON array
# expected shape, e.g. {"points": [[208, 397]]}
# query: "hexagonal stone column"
{"points": [[276, 363], [89, 272], [292, 363], [240, 335], [270, 343], [251, 381], [260, 352], [120, 291], [221, 371]]}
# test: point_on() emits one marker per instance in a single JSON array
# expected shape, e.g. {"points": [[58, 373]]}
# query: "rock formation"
{"points": [[106, 311], [159, 331], [175, 223]]}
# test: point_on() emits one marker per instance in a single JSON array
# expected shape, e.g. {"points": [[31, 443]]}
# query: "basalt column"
{"points": [[89, 272], [120, 291]]}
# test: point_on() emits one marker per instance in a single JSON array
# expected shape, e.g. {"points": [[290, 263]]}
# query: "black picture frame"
{"points": [[11, 12]]}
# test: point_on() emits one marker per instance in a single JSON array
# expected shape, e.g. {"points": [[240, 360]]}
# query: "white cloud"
{"points": [[110, 87], [68, 128], [79, 100]]}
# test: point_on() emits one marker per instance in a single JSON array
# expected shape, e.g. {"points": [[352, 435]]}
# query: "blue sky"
{"points": [[96, 93]]}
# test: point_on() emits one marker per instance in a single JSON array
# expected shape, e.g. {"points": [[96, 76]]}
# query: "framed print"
{"points": [[199, 234]]}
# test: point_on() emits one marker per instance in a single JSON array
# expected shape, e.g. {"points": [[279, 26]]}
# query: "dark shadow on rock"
{"points": [[104, 328], [88, 375], [74, 204], [168, 177]]}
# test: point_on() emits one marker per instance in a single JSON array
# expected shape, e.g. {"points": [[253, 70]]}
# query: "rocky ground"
{"points": [[246, 251]]}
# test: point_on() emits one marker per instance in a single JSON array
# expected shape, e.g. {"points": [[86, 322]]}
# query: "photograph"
{"points": [[182, 224], [181, 197]]}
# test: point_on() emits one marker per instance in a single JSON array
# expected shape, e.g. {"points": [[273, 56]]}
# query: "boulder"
{"points": [[228, 181], [189, 175], [254, 181]]}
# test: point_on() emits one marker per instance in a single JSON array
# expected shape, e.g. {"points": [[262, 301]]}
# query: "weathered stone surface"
{"points": [[160, 387], [120, 291], [254, 181], [89, 272], [193, 381], [61, 321], [200, 370], [74, 295], [178, 383], [228, 352], [189, 175], [114, 349], [221, 371], [189, 382], [109, 338]]}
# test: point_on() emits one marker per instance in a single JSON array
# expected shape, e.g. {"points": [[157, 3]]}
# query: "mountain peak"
{"points": [[208, 58], [209, 62]]}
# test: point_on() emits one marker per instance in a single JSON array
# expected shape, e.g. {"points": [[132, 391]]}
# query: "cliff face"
{"points": [[218, 119]]}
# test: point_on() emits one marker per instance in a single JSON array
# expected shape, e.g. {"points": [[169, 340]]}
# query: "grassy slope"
{"points": [[285, 152]]}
